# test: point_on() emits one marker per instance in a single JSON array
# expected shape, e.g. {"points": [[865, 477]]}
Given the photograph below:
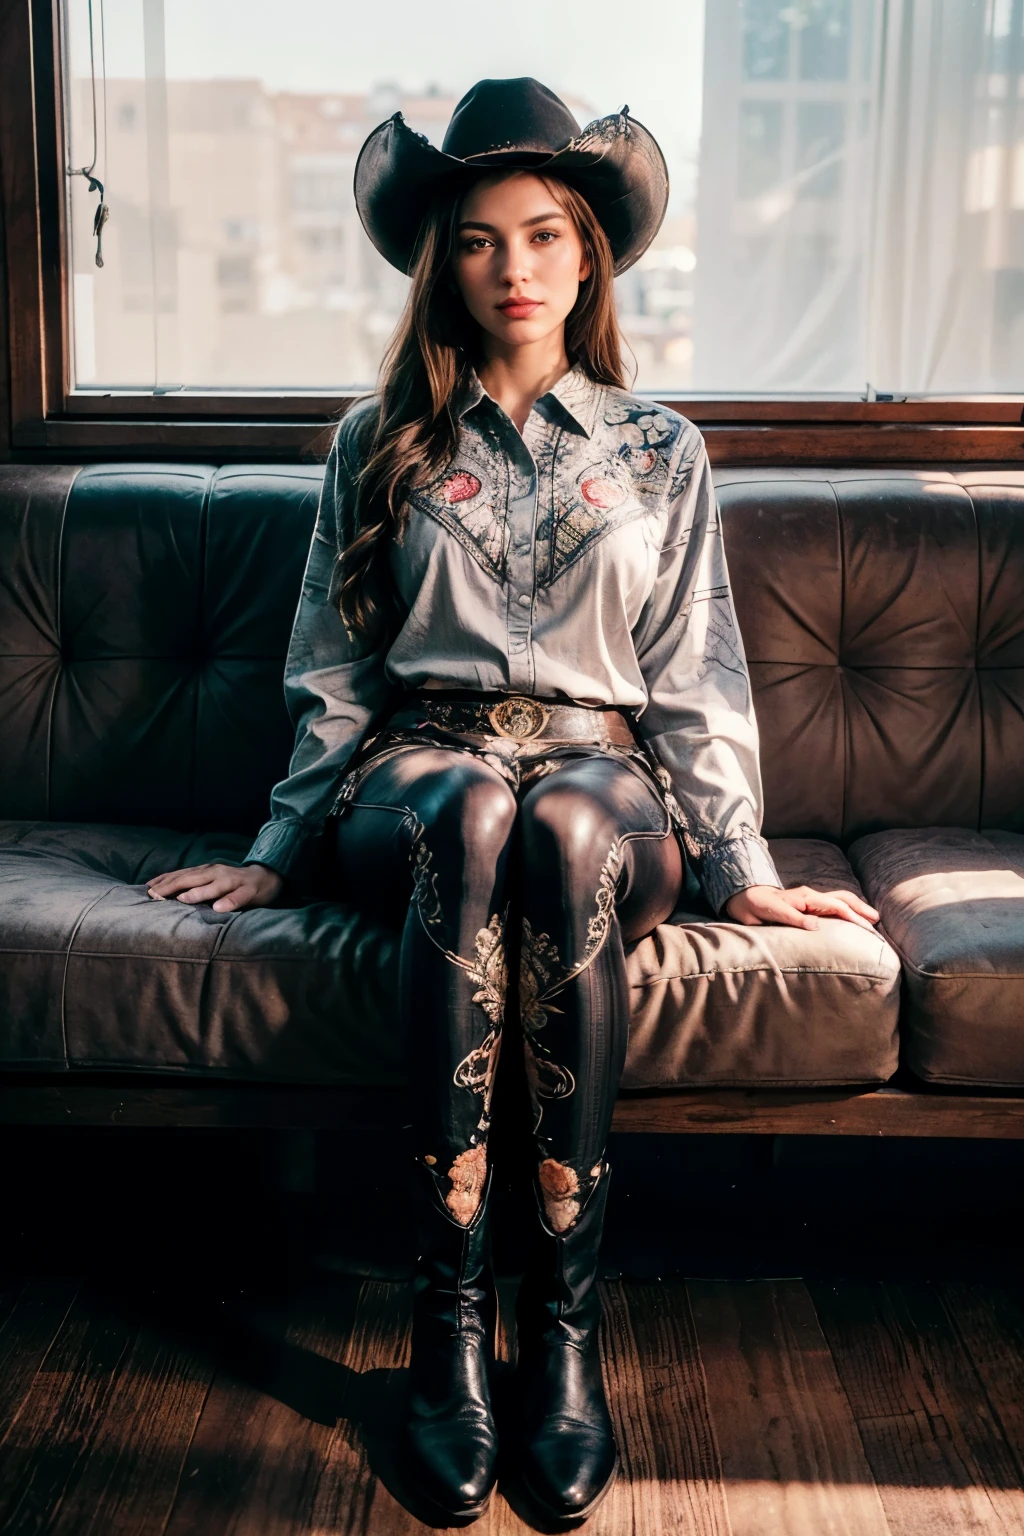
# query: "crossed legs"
{"points": [[429, 843]]}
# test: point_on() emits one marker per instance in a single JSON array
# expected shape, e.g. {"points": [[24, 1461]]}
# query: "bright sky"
{"points": [[609, 52]]}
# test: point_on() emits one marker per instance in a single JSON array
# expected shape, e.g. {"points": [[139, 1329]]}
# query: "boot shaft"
{"points": [[453, 1288], [558, 1295]]}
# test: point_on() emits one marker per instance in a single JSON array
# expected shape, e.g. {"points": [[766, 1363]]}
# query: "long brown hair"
{"points": [[413, 431]]}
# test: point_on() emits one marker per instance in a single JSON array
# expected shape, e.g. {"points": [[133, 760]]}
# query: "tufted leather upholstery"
{"points": [[144, 617], [883, 618], [143, 626]]}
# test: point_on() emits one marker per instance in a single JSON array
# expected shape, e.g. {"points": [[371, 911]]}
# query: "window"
{"points": [[847, 198]]}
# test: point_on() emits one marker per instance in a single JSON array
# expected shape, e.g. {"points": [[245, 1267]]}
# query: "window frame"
{"points": [[42, 417]]}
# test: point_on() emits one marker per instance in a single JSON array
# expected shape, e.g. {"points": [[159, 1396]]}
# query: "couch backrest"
{"points": [[883, 617], [145, 612], [144, 618]]}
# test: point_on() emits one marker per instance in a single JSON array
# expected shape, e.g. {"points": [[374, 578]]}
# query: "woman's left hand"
{"points": [[797, 908]]}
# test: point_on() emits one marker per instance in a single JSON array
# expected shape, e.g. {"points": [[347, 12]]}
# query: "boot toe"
{"points": [[568, 1468], [454, 1466]]}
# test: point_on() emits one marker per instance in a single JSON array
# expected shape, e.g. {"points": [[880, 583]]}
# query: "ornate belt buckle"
{"points": [[518, 717]]}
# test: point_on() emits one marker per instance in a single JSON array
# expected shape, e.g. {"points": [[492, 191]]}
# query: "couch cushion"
{"points": [[952, 903], [717, 1003], [96, 975]]}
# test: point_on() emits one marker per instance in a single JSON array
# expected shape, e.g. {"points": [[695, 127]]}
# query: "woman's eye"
{"points": [[546, 235], [476, 244]]}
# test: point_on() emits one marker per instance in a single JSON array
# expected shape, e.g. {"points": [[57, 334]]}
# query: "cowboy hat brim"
{"points": [[615, 163]]}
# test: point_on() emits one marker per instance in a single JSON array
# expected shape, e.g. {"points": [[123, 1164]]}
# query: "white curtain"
{"points": [[861, 202], [945, 309]]}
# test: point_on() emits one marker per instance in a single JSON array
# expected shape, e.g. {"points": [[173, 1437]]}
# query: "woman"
{"points": [[519, 688]]}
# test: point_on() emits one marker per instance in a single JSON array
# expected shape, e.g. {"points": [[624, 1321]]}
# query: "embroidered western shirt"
{"points": [[582, 561]]}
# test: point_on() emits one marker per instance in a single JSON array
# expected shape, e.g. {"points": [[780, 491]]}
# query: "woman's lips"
{"points": [[519, 309]]}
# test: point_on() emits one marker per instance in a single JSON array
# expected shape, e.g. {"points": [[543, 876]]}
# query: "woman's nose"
{"points": [[516, 266]]}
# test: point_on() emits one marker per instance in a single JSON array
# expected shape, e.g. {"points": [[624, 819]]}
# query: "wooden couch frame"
{"points": [[137, 1101]]}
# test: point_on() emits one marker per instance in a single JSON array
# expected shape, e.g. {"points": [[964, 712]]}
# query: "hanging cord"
{"points": [[95, 185]]}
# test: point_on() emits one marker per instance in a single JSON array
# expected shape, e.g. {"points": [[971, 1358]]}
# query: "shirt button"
{"points": [[524, 600]]}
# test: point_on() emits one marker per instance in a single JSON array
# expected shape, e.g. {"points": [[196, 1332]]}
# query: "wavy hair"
{"points": [[413, 432]]}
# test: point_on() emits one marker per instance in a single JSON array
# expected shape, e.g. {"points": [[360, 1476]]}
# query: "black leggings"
{"points": [[550, 878]]}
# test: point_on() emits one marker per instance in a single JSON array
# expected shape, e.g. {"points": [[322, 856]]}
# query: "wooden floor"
{"points": [[771, 1406]]}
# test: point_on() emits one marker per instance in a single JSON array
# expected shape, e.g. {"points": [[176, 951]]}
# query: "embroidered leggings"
{"points": [[544, 874]]}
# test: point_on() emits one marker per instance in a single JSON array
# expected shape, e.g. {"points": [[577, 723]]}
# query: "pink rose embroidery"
{"points": [[460, 487], [602, 493]]}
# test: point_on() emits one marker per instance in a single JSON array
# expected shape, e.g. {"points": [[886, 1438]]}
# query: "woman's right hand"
{"points": [[229, 886]]}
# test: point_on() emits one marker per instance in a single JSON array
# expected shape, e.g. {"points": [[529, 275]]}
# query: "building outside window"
{"points": [[846, 214]]}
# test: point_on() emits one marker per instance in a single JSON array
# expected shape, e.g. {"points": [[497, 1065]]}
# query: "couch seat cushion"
{"points": [[718, 1003], [952, 903], [96, 975]]}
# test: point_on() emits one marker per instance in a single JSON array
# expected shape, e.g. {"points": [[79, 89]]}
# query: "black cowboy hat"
{"points": [[614, 162]]}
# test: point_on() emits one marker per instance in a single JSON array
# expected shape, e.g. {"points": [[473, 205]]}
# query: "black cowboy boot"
{"points": [[450, 1444], [568, 1455]]}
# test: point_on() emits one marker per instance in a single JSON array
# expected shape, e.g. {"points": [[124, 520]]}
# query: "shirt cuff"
{"points": [[733, 864], [288, 847]]}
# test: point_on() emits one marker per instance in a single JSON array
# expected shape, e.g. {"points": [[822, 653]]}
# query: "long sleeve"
{"points": [[334, 684], [699, 722]]}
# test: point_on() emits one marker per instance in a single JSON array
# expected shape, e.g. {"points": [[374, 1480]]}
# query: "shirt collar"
{"points": [[468, 394], [577, 395], [580, 397]]}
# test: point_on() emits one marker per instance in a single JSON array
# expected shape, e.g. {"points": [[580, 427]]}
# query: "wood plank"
{"points": [[990, 1323], [770, 1112], [97, 1445], [792, 1459], [671, 1471], [199, 1105], [19, 196], [936, 1449], [994, 410], [864, 443], [823, 1112], [634, 1502], [785, 446], [265, 1432], [32, 1313], [358, 1490]]}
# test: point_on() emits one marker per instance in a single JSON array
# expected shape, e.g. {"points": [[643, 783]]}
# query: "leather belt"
{"points": [[516, 716]]}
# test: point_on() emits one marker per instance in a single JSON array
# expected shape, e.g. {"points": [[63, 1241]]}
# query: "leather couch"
{"points": [[144, 618]]}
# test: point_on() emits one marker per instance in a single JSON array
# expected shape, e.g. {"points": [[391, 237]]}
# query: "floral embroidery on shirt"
{"points": [[468, 505], [460, 487], [478, 526], [599, 501], [602, 493]]}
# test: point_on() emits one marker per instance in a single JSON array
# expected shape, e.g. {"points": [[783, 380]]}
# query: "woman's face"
{"points": [[519, 259]]}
